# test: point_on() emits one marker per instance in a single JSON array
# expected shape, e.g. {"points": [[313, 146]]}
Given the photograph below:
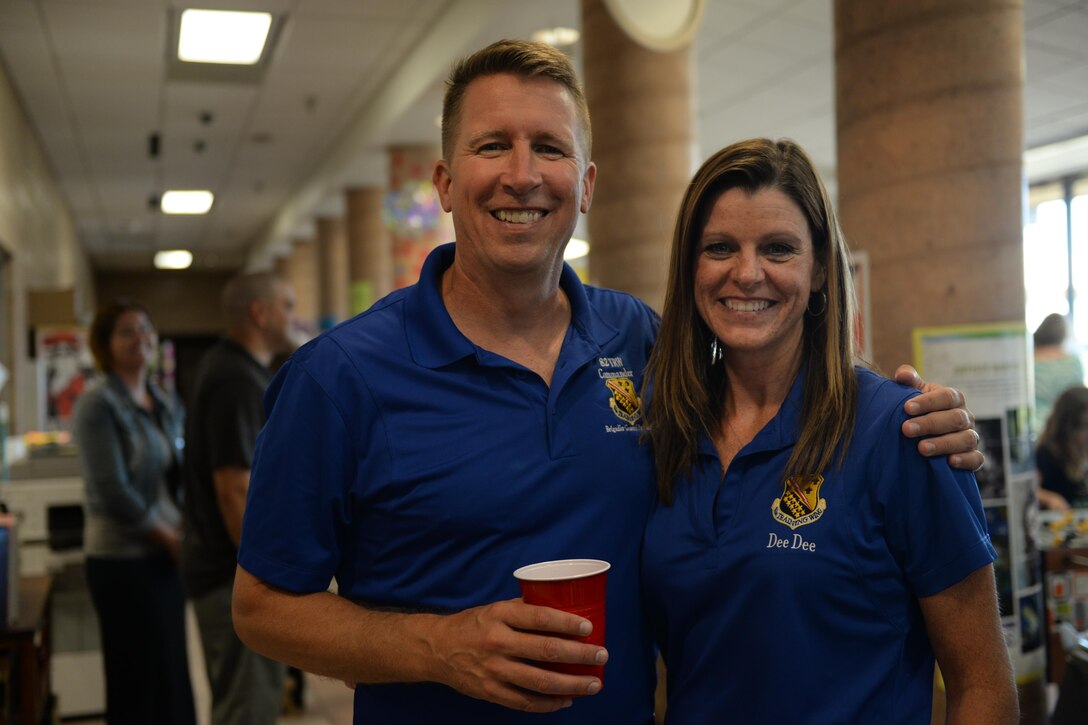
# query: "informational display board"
{"points": [[991, 364]]}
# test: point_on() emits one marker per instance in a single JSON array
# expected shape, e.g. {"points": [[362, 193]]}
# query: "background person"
{"points": [[227, 414], [1061, 458], [1055, 368], [806, 562], [129, 436], [465, 426]]}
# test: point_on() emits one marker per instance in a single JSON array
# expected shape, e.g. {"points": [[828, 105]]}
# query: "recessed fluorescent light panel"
{"points": [[222, 36], [173, 259], [186, 202]]}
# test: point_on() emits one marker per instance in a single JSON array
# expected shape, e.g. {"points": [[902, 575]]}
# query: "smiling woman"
{"points": [[754, 275], [790, 503]]}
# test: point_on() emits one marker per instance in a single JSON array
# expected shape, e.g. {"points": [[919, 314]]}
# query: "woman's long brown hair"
{"points": [[687, 393]]}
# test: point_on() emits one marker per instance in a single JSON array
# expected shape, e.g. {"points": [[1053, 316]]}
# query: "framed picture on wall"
{"points": [[66, 369]]}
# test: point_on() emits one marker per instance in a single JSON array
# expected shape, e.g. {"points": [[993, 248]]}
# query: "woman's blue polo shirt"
{"points": [[420, 470], [780, 605]]}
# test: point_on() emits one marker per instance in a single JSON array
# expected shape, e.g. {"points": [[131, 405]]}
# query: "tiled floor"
{"points": [[327, 701]]}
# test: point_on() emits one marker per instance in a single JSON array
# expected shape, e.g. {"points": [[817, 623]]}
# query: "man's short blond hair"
{"points": [[518, 57]]}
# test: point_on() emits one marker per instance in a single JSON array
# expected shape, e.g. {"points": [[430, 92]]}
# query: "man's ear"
{"points": [[589, 178], [442, 181], [255, 311]]}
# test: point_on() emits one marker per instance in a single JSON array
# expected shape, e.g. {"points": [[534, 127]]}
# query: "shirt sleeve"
{"points": [[298, 511], [934, 522]]}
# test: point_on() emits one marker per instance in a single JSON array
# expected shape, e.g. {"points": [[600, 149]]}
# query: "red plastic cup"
{"points": [[573, 585]]}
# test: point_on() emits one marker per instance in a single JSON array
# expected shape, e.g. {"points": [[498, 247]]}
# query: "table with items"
{"points": [[1063, 540]]}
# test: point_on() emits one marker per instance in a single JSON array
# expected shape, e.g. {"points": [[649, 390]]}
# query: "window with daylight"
{"points": [[1056, 257]]}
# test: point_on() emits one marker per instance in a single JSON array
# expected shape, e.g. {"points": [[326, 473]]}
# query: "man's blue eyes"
{"points": [[542, 149]]}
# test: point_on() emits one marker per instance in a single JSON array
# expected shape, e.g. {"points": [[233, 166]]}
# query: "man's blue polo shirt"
{"points": [[420, 470], [777, 606]]}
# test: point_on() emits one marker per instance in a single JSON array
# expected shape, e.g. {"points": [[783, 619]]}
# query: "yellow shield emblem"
{"points": [[800, 503], [624, 402]]}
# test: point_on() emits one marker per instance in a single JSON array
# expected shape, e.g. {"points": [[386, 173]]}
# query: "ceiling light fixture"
{"points": [[558, 36], [222, 36], [173, 259], [186, 202], [576, 249]]}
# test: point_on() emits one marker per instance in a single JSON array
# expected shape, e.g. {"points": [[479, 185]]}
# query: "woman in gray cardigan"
{"points": [[129, 436]]}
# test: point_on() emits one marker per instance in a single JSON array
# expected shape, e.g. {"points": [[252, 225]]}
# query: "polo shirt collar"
{"points": [[435, 341], [782, 431]]}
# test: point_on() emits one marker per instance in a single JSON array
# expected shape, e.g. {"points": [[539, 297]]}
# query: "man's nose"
{"points": [[522, 172]]}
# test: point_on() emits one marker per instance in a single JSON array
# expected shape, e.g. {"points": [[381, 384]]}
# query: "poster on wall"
{"points": [[66, 368], [859, 270], [990, 363]]}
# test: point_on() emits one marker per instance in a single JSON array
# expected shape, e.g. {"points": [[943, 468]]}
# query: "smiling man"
{"points": [[482, 419]]}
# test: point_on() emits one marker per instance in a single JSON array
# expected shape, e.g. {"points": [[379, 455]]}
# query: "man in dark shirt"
{"points": [[227, 412]]}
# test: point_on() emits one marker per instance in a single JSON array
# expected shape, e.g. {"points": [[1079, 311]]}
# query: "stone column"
{"points": [[412, 212], [303, 276], [641, 105], [929, 130], [930, 140], [332, 255], [370, 253]]}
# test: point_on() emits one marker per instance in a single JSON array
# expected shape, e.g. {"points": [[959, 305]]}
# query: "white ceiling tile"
{"points": [[399, 11], [331, 44], [1067, 33], [1040, 60], [107, 29], [1036, 11], [724, 22], [814, 14]]}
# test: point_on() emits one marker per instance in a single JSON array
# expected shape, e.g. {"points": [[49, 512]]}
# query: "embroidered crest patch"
{"points": [[800, 502], [625, 402]]}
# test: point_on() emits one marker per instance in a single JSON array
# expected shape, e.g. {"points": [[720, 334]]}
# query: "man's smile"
{"points": [[518, 216]]}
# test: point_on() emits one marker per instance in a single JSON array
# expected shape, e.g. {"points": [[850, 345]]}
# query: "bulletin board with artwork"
{"points": [[990, 364]]}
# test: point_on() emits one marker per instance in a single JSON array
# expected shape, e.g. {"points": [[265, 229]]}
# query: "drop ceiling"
{"points": [[348, 78]]}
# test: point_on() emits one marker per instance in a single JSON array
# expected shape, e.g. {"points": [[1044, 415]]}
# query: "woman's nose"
{"points": [[749, 268]]}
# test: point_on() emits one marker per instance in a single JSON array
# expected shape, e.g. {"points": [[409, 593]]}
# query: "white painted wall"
{"points": [[36, 229]]}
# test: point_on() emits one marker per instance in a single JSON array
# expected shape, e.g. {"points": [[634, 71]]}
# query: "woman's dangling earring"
{"points": [[715, 352], [822, 306]]}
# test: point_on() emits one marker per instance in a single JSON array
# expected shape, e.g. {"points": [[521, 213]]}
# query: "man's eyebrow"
{"points": [[487, 134], [559, 140]]}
